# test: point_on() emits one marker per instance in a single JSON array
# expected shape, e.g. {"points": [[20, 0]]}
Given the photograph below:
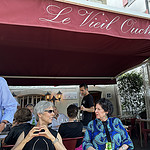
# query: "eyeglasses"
{"points": [[49, 111]]}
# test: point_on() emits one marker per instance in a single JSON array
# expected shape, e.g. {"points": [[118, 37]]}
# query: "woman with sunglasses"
{"points": [[40, 137]]}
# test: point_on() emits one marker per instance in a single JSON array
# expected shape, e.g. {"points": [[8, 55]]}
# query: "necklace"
{"points": [[37, 141], [46, 144], [34, 144]]}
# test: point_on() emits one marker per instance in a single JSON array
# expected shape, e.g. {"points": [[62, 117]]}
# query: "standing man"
{"points": [[87, 106], [8, 104]]}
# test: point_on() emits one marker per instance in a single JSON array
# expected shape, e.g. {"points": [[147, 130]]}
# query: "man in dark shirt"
{"points": [[87, 106]]}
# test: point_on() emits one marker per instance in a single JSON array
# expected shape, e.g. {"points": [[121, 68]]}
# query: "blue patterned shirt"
{"points": [[95, 135]]}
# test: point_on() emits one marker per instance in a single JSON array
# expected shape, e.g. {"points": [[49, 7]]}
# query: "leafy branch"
{"points": [[131, 91]]}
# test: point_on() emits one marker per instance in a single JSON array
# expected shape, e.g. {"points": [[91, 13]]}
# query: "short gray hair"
{"points": [[40, 108]]}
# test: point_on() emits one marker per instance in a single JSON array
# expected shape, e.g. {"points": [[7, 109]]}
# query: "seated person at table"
{"points": [[21, 117], [33, 120], [72, 128], [106, 131], [40, 137], [58, 119]]}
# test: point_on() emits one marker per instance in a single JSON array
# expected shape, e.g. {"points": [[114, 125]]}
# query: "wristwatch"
{"points": [[56, 140], [4, 122]]}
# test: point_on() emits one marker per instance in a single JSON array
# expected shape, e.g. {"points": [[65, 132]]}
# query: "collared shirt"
{"points": [[95, 135], [56, 122], [8, 104]]}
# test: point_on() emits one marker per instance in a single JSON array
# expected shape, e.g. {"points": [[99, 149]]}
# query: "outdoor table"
{"points": [[2, 136], [139, 121]]}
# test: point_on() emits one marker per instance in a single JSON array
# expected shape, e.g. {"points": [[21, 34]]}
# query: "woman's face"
{"points": [[47, 115], [100, 113]]}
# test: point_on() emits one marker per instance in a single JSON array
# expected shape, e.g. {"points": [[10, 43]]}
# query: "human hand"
{"points": [[33, 133], [121, 148], [82, 108], [2, 126], [91, 148], [46, 133]]}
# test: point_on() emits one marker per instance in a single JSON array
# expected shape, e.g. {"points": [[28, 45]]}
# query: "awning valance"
{"points": [[45, 38]]}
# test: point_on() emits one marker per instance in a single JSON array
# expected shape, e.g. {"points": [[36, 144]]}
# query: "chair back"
{"points": [[142, 125], [132, 122], [7, 147], [70, 143]]}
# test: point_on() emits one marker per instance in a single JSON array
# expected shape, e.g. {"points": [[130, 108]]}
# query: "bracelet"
{"points": [[56, 140]]}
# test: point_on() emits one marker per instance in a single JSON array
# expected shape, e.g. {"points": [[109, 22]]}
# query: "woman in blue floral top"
{"points": [[106, 129]]}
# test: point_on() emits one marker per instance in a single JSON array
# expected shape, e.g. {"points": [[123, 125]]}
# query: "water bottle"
{"points": [[33, 121], [108, 146]]}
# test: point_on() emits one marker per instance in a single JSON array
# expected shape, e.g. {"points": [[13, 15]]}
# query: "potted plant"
{"points": [[131, 90]]}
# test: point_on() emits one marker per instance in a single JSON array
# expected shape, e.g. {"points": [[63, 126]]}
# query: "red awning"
{"points": [[53, 39]]}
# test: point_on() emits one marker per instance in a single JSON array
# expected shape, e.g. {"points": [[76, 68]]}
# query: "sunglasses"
{"points": [[49, 111]]}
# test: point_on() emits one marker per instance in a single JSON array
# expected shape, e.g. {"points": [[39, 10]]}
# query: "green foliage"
{"points": [[131, 90]]}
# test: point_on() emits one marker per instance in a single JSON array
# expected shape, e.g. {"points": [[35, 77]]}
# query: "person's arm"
{"points": [[127, 142], [21, 142], [8, 102], [3, 125], [86, 144], [91, 109], [124, 147], [91, 148], [60, 145], [90, 104]]}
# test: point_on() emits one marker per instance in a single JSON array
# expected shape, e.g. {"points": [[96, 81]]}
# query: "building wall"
{"points": [[98, 1], [64, 103], [137, 5], [115, 3], [108, 90]]}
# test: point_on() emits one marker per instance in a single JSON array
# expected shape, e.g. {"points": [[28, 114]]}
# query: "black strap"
{"points": [[107, 132]]}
